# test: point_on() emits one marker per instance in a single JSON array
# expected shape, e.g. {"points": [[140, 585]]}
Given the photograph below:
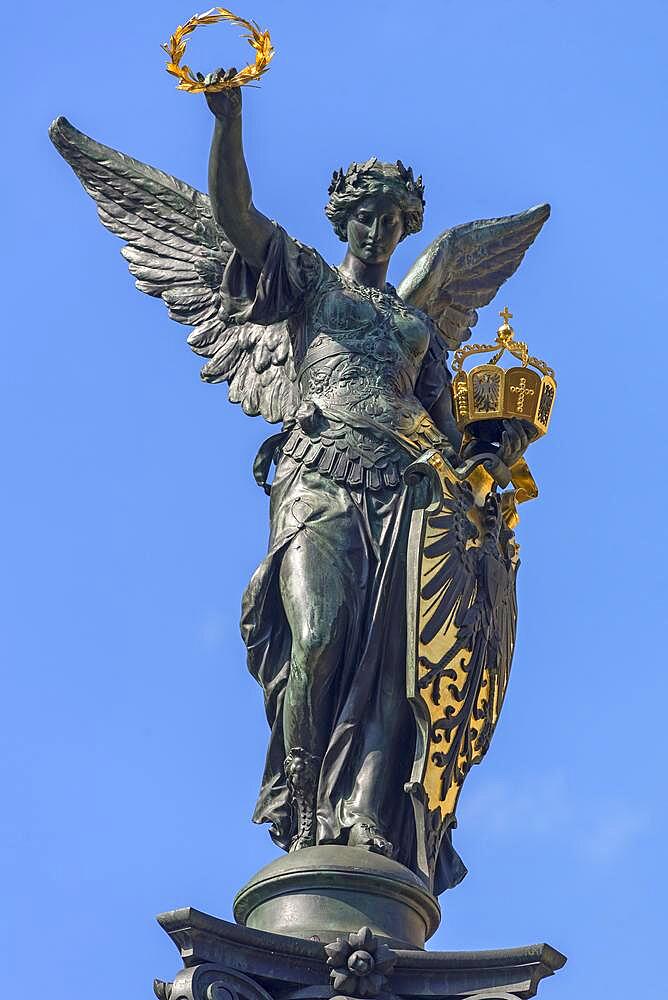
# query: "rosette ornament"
{"points": [[359, 964]]}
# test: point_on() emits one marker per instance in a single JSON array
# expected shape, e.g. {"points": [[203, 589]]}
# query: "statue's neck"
{"points": [[372, 275]]}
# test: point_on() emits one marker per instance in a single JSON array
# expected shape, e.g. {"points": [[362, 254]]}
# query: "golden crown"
{"points": [[489, 392]]}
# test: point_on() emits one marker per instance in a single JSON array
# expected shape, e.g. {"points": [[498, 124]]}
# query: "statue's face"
{"points": [[374, 228]]}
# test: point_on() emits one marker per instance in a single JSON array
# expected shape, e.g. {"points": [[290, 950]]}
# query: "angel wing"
{"points": [[462, 616], [463, 269], [178, 253]]}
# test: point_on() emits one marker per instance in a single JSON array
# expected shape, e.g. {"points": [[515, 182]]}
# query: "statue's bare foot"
{"points": [[369, 837]]}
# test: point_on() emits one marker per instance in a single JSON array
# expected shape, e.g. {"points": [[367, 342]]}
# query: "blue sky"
{"points": [[132, 737]]}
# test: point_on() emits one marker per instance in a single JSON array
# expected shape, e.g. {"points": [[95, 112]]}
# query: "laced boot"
{"points": [[302, 770]]}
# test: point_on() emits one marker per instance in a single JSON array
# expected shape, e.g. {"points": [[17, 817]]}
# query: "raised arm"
{"points": [[229, 184]]}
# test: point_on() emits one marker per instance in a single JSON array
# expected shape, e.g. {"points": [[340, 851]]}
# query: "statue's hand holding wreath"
{"points": [[225, 104]]}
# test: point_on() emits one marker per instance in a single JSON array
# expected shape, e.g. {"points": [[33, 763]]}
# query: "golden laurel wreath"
{"points": [[257, 39]]}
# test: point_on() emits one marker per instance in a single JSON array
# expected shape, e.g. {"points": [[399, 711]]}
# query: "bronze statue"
{"points": [[356, 372]]}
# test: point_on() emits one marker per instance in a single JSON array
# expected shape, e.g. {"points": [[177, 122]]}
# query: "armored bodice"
{"points": [[368, 366], [358, 353]]}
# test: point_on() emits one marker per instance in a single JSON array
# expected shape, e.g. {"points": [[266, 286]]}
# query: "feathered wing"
{"points": [[177, 252], [464, 267]]}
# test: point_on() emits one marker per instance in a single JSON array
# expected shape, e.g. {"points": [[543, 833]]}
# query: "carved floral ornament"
{"points": [[359, 964]]}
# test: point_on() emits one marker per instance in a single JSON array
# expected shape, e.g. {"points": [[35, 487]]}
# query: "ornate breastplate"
{"points": [[360, 421]]}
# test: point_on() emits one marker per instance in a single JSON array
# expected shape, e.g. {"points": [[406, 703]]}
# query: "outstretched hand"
{"points": [[226, 103]]}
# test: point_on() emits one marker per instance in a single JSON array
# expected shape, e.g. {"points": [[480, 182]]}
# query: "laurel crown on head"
{"points": [[363, 179], [352, 177]]}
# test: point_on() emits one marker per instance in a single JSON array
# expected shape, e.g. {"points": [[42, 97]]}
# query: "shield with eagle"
{"points": [[462, 614]]}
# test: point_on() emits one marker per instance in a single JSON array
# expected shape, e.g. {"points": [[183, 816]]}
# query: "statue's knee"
{"points": [[313, 645]]}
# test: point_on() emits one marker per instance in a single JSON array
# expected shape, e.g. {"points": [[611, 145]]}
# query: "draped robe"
{"points": [[369, 368]]}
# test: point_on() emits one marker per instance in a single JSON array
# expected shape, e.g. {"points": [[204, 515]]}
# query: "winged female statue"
{"points": [[356, 372]]}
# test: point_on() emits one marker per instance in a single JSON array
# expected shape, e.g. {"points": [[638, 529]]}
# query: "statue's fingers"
{"points": [[522, 436], [505, 446], [511, 435], [527, 432]]}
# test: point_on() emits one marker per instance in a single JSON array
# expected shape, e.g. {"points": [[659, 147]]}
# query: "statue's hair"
{"points": [[363, 179]]}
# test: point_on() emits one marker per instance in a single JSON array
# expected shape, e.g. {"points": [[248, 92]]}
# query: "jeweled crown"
{"points": [[489, 392]]}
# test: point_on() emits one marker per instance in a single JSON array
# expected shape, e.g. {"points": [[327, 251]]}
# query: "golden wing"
{"points": [[462, 615]]}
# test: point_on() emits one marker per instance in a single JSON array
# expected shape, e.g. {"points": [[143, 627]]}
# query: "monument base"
{"points": [[224, 961], [327, 892]]}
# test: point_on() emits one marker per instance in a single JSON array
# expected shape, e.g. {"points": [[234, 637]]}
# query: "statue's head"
{"points": [[373, 206]]}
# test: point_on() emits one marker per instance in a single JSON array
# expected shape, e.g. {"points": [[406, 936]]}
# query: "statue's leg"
{"points": [[316, 607]]}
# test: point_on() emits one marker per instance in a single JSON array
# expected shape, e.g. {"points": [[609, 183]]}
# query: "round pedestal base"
{"points": [[327, 892]]}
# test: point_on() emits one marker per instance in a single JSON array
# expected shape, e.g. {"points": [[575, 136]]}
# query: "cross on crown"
{"points": [[505, 315], [490, 392]]}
